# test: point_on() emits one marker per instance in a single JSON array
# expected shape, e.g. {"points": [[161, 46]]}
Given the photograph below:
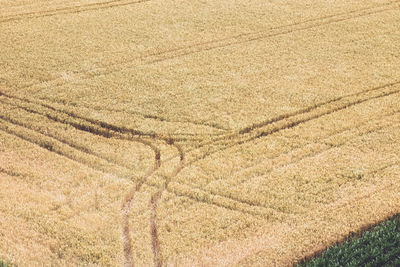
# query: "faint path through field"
{"points": [[69, 10]]}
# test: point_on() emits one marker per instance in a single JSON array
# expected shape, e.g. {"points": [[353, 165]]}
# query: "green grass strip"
{"points": [[378, 247]]}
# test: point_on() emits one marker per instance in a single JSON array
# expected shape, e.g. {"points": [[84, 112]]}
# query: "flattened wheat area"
{"points": [[195, 133]]}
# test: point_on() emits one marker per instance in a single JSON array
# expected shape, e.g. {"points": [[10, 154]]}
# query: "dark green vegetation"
{"points": [[4, 264], [378, 247]]}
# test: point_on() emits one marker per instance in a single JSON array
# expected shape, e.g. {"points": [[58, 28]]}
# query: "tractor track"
{"points": [[111, 131], [129, 198], [143, 115], [155, 57], [229, 140], [309, 109], [46, 146], [256, 36], [229, 203], [69, 10], [83, 127], [127, 205], [231, 198], [102, 128], [259, 35], [11, 173], [107, 130], [225, 140], [258, 132], [155, 199], [282, 119], [333, 207], [51, 147], [237, 200], [333, 134], [82, 149], [155, 242], [209, 194], [293, 124], [127, 202]]}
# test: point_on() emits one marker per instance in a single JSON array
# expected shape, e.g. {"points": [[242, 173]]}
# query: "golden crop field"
{"points": [[195, 133]]}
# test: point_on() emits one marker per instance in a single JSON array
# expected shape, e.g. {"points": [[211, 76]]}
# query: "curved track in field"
{"points": [[69, 10], [227, 140], [127, 204], [109, 131], [155, 199]]}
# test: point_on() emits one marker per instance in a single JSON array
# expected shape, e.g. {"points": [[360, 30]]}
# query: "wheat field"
{"points": [[195, 133]]}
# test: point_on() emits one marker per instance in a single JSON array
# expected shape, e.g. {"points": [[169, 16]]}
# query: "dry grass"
{"points": [[195, 133]]}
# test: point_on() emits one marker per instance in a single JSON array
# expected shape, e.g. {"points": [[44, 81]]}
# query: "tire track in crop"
{"points": [[229, 138], [70, 10], [356, 198], [156, 242], [103, 124], [143, 115], [231, 202], [256, 131], [225, 206], [127, 205], [324, 139], [293, 124], [11, 173], [128, 200], [46, 145], [225, 202], [308, 109], [100, 127], [321, 151], [209, 193], [79, 148], [110, 131], [154, 57], [253, 36], [155, 199], [314, 107], [248, 130], [50, 144]]}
